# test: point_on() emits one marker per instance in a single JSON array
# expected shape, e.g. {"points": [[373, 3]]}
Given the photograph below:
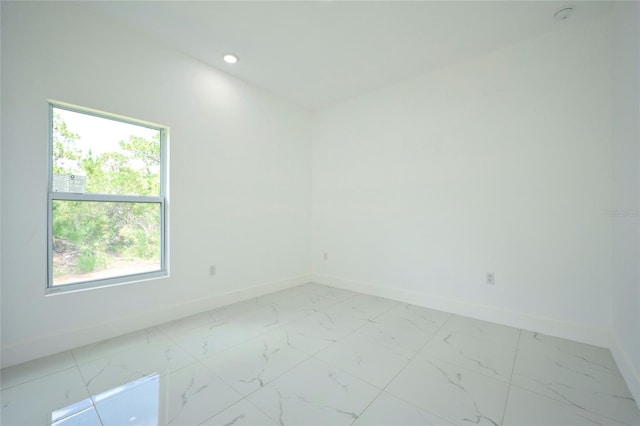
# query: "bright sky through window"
{"points": [[103, 135]]}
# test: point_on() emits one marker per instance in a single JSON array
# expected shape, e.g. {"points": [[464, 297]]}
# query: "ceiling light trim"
{"points": [[230, 58]]}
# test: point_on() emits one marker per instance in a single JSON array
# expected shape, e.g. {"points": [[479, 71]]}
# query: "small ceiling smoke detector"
{"points": [[230, 58], [563, 14]]}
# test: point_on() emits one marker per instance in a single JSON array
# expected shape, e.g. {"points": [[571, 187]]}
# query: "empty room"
{"points": [[320, 213]]}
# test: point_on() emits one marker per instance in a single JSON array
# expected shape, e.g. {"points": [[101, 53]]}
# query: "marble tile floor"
{"points": [[316, 355]]}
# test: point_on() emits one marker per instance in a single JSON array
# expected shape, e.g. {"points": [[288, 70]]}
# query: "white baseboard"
{"points": [[51, 344], [627, 368], [550, 326]]}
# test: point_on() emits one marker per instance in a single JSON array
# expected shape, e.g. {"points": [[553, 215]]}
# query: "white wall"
{"points": [[239, 187], [500, 164], [626, 191]]}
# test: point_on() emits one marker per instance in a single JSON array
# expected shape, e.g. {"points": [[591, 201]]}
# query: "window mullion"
{"points": [[69, 196]]}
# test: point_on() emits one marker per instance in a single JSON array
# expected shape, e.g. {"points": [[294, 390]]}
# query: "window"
{"points": [[107, 199]]}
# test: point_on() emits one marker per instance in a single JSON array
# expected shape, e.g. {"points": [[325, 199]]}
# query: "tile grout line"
{"points": [[569, 405], [194, 363], [246, 397], [200, 363], [84, 382], [470, 369], [231, 317], [566, 402], [367, 321], [38, 377], [513, 367], [416, 353], [453, 364], [310, 356], [347, 373], [367, 407], [384, 388]]}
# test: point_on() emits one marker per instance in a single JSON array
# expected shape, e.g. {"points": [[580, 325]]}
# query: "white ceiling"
{"points": [[321, 52]]}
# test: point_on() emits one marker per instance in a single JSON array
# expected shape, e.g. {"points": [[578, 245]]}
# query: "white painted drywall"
{"points": [[626, 191], [239, 177], [499, 164]]}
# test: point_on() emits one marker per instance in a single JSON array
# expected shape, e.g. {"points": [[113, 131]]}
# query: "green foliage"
{"points": [[88, 236], [65, 150], [87, 260]]}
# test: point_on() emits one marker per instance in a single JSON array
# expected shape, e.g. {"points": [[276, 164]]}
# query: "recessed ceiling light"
{"points": [[563, 14], [230, 58]]}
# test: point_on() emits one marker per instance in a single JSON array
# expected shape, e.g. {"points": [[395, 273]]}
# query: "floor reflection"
{"points": [[134, 403]]}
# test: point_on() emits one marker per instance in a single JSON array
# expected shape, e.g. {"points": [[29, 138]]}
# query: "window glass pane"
{"points": [[102, 156], [98, 240]]}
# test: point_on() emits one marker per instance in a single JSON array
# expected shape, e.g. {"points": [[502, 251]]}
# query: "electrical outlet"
{"points": [[212, 270], [325, 256], [491, 278]]}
